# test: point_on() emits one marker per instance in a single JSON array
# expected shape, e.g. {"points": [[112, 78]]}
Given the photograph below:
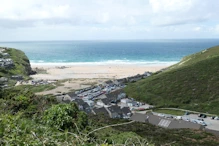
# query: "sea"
{"points": [[139, 52]]}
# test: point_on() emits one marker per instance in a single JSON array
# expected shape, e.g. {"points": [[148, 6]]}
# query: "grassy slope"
{"points": [[192, 84], [22, 64]]}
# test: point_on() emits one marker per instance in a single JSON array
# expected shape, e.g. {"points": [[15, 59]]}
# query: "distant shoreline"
{"points": [[119, 63]]}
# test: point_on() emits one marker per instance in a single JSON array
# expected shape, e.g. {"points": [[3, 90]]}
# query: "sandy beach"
{"points": [[65, 71]]}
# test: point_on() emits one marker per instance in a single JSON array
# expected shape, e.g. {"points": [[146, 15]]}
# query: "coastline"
{"points": [[61, 71]]}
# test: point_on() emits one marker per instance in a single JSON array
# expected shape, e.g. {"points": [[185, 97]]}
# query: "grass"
{"points": [[21, 62], [168, 111], [192, 85], [35, 89]]}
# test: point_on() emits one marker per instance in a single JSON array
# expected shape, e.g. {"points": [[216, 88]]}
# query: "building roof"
{"points": [[72, 95], [139, 117], [163, 122], [107, 101], [109, 82], [119, 110], [115, 93], [114, 109], [125, 110], [83, 104], [99, 111]]}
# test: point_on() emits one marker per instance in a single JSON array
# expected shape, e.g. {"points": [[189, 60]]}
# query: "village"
{"points": [[5, 60], [109, 99]]}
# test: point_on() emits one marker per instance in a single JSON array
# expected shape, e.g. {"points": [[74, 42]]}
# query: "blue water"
{"points": [[118, 52]]}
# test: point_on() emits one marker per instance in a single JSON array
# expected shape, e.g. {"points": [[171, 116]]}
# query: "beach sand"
{"points": [[86, 75], [63, 71]]}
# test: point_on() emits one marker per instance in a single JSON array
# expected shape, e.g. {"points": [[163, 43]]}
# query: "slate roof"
{"points": [[109, 82], [83, 104], [107, 101], [119, 110], [125, 110], [139, 117], [115, 93], [114, 109], [112, 97], [166, 123], [100, 111], [72, 95]]}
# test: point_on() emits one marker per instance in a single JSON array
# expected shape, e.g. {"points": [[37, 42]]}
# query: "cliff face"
{"points": [[21, 64]]}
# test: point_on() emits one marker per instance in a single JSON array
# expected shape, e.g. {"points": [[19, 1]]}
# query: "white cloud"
{"points": [[114, 18], [163, 6], [197, 28]]}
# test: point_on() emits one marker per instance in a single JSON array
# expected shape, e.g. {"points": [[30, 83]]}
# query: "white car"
{"points": [[178, 117], [216, 118]]}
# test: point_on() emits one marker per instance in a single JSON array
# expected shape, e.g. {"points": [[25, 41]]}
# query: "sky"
{"points": [[32, 20]]}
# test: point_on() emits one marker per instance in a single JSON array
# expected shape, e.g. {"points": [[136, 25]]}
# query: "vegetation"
{"points": [[169, 111], [21, 62], [64, 116], [35, 89], [191, 84]]}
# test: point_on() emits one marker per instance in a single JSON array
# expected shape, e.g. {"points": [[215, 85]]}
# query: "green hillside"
{"points": [[192, 84], [21, 64]]}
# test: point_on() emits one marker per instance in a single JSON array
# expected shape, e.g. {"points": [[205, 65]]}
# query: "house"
{"points": [[133, 104], [126, 112], [72, 95], [5, 54], [119, 112], [109, 83], [135, 78], [101, 103], [3, 79], [106, 102], [17, 77], [90, 102], [139, 117], [120, 81], [147, 74], [63, 98], [114, 112], [82, 105], [164, 122], [125, 100], [101, 111], [116, 95], [111, 98]]}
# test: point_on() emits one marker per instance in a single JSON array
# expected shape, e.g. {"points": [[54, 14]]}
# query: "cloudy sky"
{"points": [[108, 19]]}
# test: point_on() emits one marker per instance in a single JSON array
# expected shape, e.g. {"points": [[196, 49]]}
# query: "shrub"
{"points": [[64, 116]]}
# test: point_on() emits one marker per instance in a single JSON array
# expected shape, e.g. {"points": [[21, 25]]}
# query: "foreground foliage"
{"points": [[27, 119]]}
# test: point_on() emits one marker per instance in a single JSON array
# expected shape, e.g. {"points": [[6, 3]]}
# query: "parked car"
{"points": [[202, 115], [178, 117], [216, 118]]}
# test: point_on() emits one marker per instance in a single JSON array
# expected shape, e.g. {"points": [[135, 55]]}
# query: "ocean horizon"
{"points": [[118, 52]]}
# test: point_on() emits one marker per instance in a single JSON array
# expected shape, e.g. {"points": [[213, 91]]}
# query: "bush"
{"points": [[64, 116]]}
